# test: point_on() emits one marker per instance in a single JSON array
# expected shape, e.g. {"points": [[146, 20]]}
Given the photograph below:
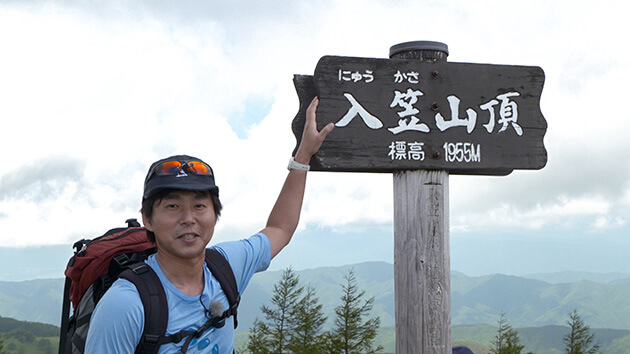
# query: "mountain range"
{"points": [[603, 300]]}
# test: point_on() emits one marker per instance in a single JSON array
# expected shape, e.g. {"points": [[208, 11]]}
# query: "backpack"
{"points": [[120, 253]]}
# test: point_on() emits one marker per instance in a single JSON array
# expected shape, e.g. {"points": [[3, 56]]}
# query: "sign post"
{"points": [[422, 118], [421, 244]]}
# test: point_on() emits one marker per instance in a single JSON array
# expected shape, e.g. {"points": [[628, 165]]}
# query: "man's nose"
{"points": [[188, 216]]}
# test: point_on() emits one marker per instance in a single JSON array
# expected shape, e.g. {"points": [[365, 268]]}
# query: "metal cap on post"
{"points": [[419, 50]]}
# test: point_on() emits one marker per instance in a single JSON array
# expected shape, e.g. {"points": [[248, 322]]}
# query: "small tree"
{"points": [[273, 334], [258, 342], [278, 319], [507, 340], [307, 320], [580, 339], [351, 333]]}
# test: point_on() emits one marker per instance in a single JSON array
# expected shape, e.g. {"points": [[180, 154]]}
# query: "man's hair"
{"points": [[148, 203]]}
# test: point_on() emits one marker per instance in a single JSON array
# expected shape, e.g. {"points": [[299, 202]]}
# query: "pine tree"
{"points": [[307, 320], [258, 342], [351, 334], [273, 334], [507, 340], [580, 339]]}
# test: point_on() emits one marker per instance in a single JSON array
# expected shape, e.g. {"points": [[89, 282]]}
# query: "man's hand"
{"points": [[311, 138], [285, 214]]}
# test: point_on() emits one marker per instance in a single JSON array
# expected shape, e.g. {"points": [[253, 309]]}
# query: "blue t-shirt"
{"points": [[118, 319]]}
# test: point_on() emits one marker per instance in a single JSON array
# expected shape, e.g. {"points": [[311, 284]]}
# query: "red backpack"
{"points": [[120, 253]]}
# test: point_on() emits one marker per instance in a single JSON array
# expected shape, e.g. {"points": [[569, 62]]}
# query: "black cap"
{"points": [[183, 181]]}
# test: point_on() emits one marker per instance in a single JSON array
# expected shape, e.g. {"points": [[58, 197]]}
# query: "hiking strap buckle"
{"points": [[139, 268], [232, 310], [121, 259], [151, 339]]}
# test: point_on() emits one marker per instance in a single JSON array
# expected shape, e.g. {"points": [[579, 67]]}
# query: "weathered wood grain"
{"points": [[422, 262]]}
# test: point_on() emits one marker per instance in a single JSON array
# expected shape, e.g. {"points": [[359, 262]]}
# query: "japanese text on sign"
{"points": [[407, 114], [404, 102]]}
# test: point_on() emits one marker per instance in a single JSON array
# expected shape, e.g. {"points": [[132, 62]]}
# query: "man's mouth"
{"points": [[186, 237]]}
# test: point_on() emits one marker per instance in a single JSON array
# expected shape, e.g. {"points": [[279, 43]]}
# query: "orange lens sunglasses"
{"points": [[173, 167]]}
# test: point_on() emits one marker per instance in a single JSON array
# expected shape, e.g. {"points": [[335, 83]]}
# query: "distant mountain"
{"points": [[32, 300], [377, 278], [572, 276], [527, 302]]}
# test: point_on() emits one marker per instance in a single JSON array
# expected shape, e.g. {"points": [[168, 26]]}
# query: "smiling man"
{"points": [[180, 208]]}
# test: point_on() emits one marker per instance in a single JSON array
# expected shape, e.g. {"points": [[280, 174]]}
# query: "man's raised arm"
{"points": [[285, 214]]}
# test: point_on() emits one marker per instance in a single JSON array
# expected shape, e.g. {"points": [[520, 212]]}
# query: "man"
{"points": [[180, 209]]}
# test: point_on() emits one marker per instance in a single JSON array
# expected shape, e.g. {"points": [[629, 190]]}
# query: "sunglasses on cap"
{"points": [[176, 167]]}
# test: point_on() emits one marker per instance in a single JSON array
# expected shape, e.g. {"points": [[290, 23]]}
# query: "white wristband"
{"points": [[294, 165]]}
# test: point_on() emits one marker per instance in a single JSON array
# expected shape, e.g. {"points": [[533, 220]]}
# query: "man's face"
{"points": [[183, 223]]}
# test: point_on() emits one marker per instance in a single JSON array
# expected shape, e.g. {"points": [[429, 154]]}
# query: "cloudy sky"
{"points": [[92, 92]]}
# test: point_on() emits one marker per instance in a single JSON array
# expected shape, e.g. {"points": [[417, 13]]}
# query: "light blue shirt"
{"points": [[118, 319]]}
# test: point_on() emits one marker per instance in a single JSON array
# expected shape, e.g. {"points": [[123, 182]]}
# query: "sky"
{"points": [[92, 92]]}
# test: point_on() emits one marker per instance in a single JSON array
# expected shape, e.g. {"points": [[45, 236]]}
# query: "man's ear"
{"points": [[147, 223]]}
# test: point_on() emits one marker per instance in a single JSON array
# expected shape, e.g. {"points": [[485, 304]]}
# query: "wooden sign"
{"points": [[393, 114]]}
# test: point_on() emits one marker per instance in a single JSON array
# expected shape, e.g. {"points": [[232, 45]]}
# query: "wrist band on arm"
{"points": [[294, 165]]}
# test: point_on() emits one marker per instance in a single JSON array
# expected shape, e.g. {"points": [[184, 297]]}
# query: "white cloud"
{"points": [[564, 212], [99, 91], [604, 223]]}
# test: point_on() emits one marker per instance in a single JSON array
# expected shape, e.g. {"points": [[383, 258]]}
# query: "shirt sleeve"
{"points": [[117, 321], [246, 257]]}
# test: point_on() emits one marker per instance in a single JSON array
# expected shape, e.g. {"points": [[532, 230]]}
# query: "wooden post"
{"points": [[421, 237]]}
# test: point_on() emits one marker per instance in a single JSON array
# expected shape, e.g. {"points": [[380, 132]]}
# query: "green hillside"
{"points": [[28, 337], [479, 337], [33, 337], [477, 302], [542, 340]]}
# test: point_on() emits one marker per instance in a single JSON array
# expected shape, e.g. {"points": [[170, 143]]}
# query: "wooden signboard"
{"points": [[394, 114]]}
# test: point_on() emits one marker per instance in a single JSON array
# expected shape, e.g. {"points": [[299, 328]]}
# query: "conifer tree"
{"points": [[580, 339], [507, 340], [273, 334], [258, 342], [351, 333], [307, 319]]}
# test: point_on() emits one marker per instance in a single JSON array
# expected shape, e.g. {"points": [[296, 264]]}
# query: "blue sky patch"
{"points": [[254, 110]]}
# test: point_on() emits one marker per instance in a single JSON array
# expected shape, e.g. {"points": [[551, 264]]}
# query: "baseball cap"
{"points": [[181, 172]]}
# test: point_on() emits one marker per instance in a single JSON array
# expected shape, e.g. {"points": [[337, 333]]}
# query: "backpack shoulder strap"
{"points": [[155, 305], [222, 271], [65, 317]]}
